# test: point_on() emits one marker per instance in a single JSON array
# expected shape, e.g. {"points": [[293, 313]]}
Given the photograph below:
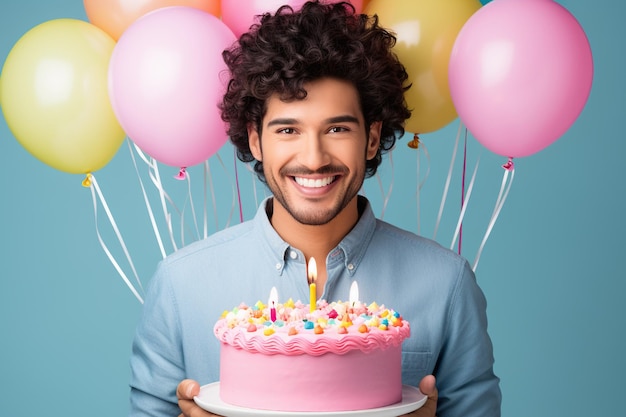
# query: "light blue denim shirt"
{"points": [[432, 287]]}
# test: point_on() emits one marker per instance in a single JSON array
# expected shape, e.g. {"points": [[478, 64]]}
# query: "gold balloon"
{"points": [[426, 31], [54, 95]]}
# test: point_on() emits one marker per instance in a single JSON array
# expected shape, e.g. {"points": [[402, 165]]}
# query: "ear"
{"points": [[254, 142], [374, 139]]}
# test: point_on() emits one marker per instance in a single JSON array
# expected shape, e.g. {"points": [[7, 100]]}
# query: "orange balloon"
{"points": [[114, 16]]}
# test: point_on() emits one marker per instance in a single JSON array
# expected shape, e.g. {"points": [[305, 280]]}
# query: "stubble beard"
{"points": [[315, 217]]}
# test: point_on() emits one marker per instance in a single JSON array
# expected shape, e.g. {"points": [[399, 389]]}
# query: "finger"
{"points": [[191, 409], [428, 387], [187, 389]]}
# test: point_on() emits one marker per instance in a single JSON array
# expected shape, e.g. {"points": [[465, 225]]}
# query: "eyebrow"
{"points": [[336, 119]]}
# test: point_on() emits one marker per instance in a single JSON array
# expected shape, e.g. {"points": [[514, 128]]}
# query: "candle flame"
{"points": [[273, 297], [354, 293], [312, 270]]}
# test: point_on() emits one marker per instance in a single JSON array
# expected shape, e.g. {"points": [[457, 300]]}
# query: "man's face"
{"points": [[314, 150]]}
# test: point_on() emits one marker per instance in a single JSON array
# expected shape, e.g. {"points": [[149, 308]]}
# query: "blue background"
{"points": [[551, 269]]}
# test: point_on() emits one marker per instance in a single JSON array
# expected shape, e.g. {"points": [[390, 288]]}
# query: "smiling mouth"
{"points": [[314, 183]]}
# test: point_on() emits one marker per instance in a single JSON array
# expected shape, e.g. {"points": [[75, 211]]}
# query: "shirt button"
{"points": [[293, 254], [278, 266], [350, 267]]}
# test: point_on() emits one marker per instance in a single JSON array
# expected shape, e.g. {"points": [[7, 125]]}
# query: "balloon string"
{"points": [[417, 144], [254, 185], [447, 184], [182, 176], [463, 188], [237, 184], [188, 202], [502, 195], [386, 196], [418, 202], [233, 201], [95, 189], [208, 184], [163, 196], [466, 199], [153, 171], [254, 190], [205, 176], [155, 227]]}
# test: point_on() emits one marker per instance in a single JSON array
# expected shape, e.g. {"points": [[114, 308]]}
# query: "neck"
{"points": [[315, 241]]}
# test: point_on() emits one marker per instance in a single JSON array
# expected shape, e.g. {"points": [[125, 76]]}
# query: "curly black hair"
{"points": [[288, 49]]}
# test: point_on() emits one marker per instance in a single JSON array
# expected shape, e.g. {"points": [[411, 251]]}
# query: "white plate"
{"points": [[209, 400]]}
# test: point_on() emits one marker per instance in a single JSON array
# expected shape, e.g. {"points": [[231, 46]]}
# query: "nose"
{"points": [[314, 152]]}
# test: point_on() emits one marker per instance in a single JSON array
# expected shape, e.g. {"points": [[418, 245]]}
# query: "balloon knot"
{"points": [[182, 174], [509, 165], [415, 142], [87, 180]]}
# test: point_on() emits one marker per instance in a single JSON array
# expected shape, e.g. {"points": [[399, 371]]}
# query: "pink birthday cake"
{"points": [[339, 356]]}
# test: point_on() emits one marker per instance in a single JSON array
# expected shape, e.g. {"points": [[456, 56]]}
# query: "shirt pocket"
{"points": [[415, 365]]}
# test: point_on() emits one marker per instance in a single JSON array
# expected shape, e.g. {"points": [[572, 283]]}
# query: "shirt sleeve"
{"points": [[156, 361], [464, 371]]}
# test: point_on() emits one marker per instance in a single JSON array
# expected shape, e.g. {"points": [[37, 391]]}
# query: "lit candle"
{"points": [[312, 273], [271, 302], [345, 321], [354, 293]]}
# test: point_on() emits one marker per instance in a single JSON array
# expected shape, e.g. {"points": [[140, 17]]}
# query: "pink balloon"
{"points": [[520, 74], [166, 78], [240, 15]]}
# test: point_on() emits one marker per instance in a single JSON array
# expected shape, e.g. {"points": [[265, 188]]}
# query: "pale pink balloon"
{"points": [[520, 74], [240, 15], [166, 78]]}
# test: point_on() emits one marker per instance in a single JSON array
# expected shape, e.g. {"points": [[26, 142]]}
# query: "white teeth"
{"points": [[317, 183]]}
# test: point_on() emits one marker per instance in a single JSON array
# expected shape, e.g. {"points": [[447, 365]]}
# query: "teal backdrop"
{"points": [[551, 269]]}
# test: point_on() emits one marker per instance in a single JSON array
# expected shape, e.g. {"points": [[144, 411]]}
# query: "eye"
{"points": [[338, 129], [287, 130]]}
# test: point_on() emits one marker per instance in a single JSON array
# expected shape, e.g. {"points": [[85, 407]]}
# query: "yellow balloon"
{"points": [[54, 95], [426, 31]]}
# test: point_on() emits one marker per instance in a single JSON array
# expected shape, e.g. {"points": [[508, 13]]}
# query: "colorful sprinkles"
{"points": [[295, 317]]}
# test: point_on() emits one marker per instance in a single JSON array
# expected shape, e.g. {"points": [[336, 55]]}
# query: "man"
{"points": [[315, 99]]}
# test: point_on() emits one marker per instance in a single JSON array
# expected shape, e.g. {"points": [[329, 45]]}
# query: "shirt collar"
{"points": [[353, 245], [275, 247]]}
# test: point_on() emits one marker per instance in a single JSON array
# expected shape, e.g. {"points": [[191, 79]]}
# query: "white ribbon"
{"points": [[155, 228], [208, 184], [156, 180], [188, 202], [234, 194], [466, 199], [421, 183], [386, 196], [448, 179], [253, 176], [502, 195], [95, 189]]}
